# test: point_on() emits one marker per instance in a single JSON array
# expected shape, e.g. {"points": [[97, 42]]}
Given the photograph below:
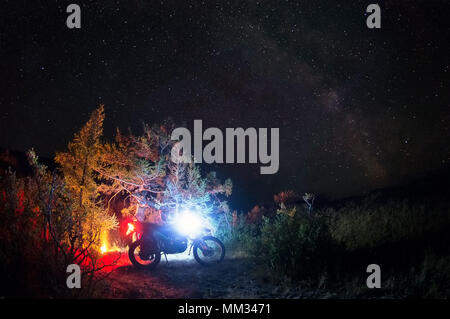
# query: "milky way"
{"points": [[357, 109]]}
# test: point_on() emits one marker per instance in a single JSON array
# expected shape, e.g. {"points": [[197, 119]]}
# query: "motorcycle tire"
{"points": [[131, 256], [197, 247]]}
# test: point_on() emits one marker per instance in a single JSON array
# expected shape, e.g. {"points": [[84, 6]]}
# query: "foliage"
{"points": [[78, 166], [332, 247], [427, 279], [82, 154], [284, 197], [139, 167], [40, 235], [292, 242], [52, 219], [366, 227]]}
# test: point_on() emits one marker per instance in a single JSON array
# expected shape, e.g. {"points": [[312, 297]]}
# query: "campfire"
{"points": [[106, 246]]}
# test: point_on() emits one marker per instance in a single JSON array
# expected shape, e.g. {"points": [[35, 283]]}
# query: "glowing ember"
{"points": [[103, 249]]}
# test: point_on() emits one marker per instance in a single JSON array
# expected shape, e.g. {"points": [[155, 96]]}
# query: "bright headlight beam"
{"points": [[188, 223]]}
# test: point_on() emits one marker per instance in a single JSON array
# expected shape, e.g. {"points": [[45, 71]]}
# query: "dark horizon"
{"points": [[435, 184]]}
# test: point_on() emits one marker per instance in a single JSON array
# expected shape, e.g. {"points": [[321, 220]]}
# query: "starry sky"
{"points": [[358, 109]]}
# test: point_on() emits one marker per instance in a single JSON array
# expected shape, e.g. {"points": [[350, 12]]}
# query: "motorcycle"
{"points": [[153, 240]]}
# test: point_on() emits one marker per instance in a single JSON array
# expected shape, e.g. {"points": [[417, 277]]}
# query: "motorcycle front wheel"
{"points": [[139, 260], [208, 251]]}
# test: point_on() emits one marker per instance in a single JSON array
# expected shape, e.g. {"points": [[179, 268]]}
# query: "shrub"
{"points": [[332, 247], [41, 234], [239, 235], [292, 244]]}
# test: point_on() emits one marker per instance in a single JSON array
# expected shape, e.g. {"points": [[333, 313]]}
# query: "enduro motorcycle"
{"points": [[153, 240]]}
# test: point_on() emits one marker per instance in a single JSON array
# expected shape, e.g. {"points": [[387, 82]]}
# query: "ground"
{"points": [[185, 278]]}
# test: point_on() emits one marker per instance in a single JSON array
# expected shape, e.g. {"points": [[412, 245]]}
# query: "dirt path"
{"points": [[185, 278]]}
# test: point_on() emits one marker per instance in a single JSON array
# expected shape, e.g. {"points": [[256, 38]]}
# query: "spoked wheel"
{"points": [[209, 251], [141, 260]]}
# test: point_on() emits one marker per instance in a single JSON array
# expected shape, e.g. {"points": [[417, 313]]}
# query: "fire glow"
{"points": [[105, 245]]}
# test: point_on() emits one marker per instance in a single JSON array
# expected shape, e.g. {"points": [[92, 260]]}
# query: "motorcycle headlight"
{"points": [[188, 223]]}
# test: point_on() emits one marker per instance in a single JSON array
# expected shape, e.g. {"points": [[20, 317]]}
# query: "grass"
{"points": [[328, 252]]}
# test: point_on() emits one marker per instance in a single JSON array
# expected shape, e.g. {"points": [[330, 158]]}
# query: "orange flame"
{"points": [[106, 246], [104, 241]]}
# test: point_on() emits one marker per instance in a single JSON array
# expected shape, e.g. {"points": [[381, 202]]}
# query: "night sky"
{"points": [[358, 109]]}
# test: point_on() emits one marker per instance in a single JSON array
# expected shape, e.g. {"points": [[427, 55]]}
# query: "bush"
{"points": [[238, 234], [41, 234], [333, 247], [290, 243]]}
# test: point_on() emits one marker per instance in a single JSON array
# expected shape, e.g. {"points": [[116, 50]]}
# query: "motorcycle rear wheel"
{"points": [[153, 259], [200, 258]]}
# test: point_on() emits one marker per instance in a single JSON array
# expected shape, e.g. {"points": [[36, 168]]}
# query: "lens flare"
{"points": [[188, 223]]}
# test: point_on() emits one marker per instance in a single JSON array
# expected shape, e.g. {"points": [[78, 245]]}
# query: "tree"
{"points": [[78, 162], [140, 166], [78, 166]]}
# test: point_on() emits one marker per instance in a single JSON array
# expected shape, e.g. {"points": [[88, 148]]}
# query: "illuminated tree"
{"points": [[141, 167], [78, 166], [138, 168], [78, 162]]}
